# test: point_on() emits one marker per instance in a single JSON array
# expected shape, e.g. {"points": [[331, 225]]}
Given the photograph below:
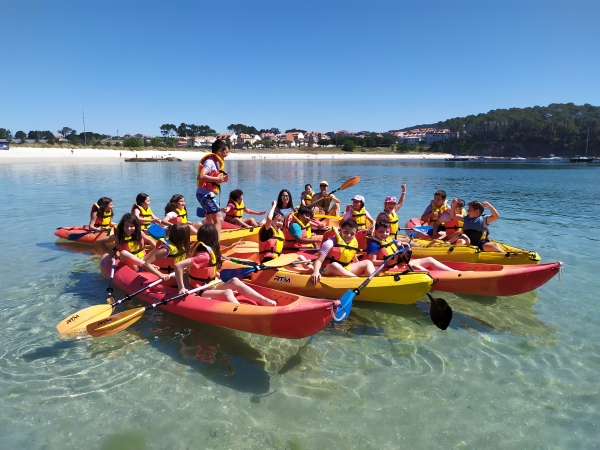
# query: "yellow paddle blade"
{"points": [[350, 182], [283, 260], [78, 321], [115, 323]]}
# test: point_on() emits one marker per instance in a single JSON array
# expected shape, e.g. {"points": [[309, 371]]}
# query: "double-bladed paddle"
{"points": [[120, 321], [243, 272], [78, 321], [353, 181]]}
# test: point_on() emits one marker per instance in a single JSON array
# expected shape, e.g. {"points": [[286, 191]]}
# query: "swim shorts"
{"points": [[209, 203]]}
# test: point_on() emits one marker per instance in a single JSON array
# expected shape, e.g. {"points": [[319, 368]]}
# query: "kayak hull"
{"points": [[295, 317], [81, 234], [387, 288]]}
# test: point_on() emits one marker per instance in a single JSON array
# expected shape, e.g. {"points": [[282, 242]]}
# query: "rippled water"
{"points": [[513, 372]]}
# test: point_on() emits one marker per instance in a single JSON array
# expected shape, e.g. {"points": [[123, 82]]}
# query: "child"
{"points": [[307, 195], [169, 251], [297, 230], [358, 213], [381, 245], [235, 209], [141, 209], [391, 208], [101, 214], [337, 256], [211, 174], [475, 225], [203, 266], [453, 226], [129, 241], [176, 212], [432, 213], [285, 204]]}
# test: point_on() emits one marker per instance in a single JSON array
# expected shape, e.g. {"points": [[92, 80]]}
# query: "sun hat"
{"points": [[324, 182], [360, 198], [391, 199]]}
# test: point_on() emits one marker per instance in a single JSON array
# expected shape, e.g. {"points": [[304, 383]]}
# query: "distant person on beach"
{"points": [[211, 174], [475, 225], [71, 152], [101, 214], [235, 209], [391, 206], [327, 203]]}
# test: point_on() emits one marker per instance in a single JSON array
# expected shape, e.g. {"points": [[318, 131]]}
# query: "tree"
{"points": [[167, 130], [270, 130], [20, 135], [4, 133], [157, 142], [295, 130], [241, 128], [73, 138], [348, 146], [133, 142], [66, 131], [323, 142], [182, 130]]}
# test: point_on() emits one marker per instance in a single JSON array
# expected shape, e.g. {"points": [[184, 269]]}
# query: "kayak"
{"points": [[295, 317], [492, 279], [387, 288], [81, 234]]}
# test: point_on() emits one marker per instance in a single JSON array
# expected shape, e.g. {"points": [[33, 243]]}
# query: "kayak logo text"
{"points": [[281, 279], [71, 319]]}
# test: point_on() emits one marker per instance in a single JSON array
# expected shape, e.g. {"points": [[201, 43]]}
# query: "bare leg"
{"points": [[221, 294], [492, 247], [247, 291], [216, 219], [334, 210], [250, 222], [430, 264], [362, 268], [336, 270], [131, 260]]}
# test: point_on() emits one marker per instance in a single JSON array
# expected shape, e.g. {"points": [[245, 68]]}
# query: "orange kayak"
{"points": [[295, 317], [81, 234]]}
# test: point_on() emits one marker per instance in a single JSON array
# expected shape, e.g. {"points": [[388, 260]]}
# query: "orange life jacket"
{"points": [[200, 276], [210, 185], [272, 247], [342, 252]]}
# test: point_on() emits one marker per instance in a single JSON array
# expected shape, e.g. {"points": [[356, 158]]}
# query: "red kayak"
{"points": [[81, 234], [295, 316]]}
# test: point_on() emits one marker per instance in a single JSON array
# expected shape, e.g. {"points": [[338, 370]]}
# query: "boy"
{"points": [[235, 210], [475, 225], [337, 256], [434, 210], [297, 231], [453, 226], [211, 173]]}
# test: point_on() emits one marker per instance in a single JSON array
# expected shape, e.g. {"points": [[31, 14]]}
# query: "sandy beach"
{"points": [[90, 155]]}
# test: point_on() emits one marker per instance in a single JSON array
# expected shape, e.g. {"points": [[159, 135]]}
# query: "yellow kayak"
{"points": [[443, 251], [387, 287]]}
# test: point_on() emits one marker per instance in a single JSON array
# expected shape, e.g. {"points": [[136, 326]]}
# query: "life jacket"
{"points": [[134, 247], [393, 221], [360, 217], [273, 246], [290, 241], [455, 224], [105, 220], [386, 247], [475, 229], [342, 252], [308, 198], [181, 216], [438, 210], [236, 211], [144, 214], [167, 264], [211, 186], [203, 275]]}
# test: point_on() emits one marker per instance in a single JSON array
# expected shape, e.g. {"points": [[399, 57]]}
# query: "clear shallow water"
{"points": [[514, 372]]}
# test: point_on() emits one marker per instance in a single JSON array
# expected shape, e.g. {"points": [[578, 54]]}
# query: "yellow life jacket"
{"points": [[134, 247], [167, 264], [308, 198], [360, 217], [392, 218], [144, 214], [387, 246], [199, 276], [236, 211], [438, 210], [182, 214], [342, 252], [210, 185], [105, 220]]}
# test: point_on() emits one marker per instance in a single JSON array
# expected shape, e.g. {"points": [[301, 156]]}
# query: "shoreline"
{"points": [[32, 155]]}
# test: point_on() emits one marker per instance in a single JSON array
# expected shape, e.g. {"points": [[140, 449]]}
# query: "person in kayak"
{"points": [[203, 265], [358, 213], [337, 256], [307, 195], [141, 209], [169, 250], [297, 229], [381, 244], [176, 212], [129, 240], [391, 206], [328, 204], [211, 174], [101, 215], [434, 210], [285, 205], [235, 209], [475, 225], [453, 226]]}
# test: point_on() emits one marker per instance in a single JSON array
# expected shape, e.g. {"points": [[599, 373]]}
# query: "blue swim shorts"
{"points": [[209, 203]]}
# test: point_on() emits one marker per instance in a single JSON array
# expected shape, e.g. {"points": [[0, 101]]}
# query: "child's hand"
{"points": [[403, 187], [455, 201], [274, 202], [485, 204], [183, 290]]}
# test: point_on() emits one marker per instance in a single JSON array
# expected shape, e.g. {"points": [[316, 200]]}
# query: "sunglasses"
{"points": [[323, 185], [285, 196]]}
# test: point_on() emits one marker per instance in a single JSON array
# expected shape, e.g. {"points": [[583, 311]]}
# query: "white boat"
{"points": [[553, 159], [518, 158], [458, 158]]}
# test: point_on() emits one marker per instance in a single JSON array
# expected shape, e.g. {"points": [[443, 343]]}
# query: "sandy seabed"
{"points": [[91, 155]]}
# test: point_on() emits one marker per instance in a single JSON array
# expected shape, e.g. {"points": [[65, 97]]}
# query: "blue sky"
{"points": [[317, 65]]}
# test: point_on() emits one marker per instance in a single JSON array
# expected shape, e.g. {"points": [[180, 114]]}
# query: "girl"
{"points": [[358, 213], [161, 261], [235, 210], [176, 212], [141, 209], [381, 244], [101, 214], [391, 208], [203, 267], [284, 203], [307, 195], [129, 241]]}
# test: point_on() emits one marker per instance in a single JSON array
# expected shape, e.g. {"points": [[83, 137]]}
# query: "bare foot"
{"points": [[268, 302]]}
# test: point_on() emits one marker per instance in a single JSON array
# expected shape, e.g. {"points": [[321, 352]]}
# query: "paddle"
{"points": [[156, 231], [120, 321], [283, 260], [348, 297], [78, 321], [440, 312], [109, 289], [353, 181]]}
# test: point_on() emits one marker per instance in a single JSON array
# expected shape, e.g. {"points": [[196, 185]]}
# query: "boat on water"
{"points": [[518, 158], [553, 159], [457, 158]]}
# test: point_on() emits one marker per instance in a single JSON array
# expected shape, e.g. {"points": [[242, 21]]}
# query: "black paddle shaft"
{"points": [[379, 269]]}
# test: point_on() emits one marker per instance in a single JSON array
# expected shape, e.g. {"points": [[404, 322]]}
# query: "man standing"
{"points": [[211, 173], [325, 203]]}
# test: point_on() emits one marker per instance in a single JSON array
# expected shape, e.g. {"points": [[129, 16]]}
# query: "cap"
{"points": [[360, 198], [382, 217], [324, 182], [391, 199]]}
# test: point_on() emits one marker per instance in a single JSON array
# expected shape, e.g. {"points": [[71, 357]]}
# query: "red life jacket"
{"points": [[210, 185], [200, 276], [272, 247]]}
